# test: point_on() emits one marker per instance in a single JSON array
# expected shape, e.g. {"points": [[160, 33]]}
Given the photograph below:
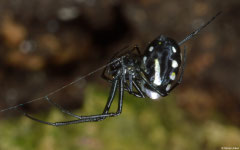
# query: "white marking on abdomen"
{"points": [[152, 94], [168, 87], [151, 48], [157, 69], [174, 64], [173, 76], [174, 49], [144, 59]]}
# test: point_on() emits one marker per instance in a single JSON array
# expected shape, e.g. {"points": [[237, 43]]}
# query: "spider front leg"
{"points": [[129, 88], [140, 92], [122, 53], [137, 49]]}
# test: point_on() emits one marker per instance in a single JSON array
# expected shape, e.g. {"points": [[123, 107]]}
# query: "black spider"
{"points": [[154, 74]]}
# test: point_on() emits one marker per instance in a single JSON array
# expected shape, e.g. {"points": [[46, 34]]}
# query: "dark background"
{"points": [[45, 44]]}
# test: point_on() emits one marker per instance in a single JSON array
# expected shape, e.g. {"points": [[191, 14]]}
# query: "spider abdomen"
{"points": [[161, 62]]}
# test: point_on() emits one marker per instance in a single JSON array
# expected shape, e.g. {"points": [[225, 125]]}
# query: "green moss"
{"points": [[143, 125]]}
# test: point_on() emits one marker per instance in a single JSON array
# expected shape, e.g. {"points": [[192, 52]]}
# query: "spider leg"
{"points": [[132, 84], [130, 79], [130, 51], [137, 49], [129, 88], [62, 109], [130, 91], [102, 116], [182, 70], [111, 96], [122, 53], [199, 29], [120, 102], [59, 107], [139, 90], [91, 118], [80, 117], [117, 53]]}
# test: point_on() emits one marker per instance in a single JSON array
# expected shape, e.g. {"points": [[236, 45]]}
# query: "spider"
{"points": [[153, 74]]}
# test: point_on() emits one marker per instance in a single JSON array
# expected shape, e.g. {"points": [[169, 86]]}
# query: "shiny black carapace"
{"points": [[154, 74]]}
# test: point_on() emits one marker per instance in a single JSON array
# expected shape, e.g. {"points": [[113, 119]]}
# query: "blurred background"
{"points": [[46, 44]]}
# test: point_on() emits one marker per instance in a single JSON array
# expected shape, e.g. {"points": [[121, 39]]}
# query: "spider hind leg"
{"points": [[91, 118]]}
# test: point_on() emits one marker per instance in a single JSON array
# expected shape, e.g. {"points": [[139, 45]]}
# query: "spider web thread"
{"points": [[63, 87]]}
